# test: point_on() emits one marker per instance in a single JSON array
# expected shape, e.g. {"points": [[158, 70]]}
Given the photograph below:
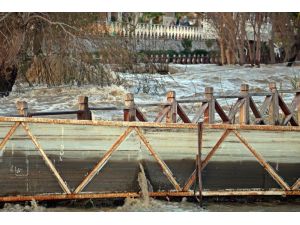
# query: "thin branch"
{"points": [[5, 16], [61, 24]]}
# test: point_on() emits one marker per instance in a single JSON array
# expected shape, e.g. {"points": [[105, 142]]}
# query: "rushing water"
{"points": [[188, 83]]}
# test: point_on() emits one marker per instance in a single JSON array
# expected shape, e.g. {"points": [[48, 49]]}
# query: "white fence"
{"points": [[156, 31]]}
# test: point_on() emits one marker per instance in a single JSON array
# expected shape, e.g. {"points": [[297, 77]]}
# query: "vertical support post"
{"points": [[244, 109], [274, 106], [199, 161], [298, 102], [83, 106], [171, 115], [209, 113], [22, 107], [130, 109]]}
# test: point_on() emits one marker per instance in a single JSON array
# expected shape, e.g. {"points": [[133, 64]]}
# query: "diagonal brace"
{"points": [[162, 164], [263, 162], [296, 185], [103, 161], [8, 135], [46, 159], [192, 178]]}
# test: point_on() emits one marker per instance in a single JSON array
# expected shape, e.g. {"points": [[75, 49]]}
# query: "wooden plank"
{"points": [[182, 114]]}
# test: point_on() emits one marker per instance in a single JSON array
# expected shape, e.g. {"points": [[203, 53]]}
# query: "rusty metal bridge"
{"points": [[53, 159]]}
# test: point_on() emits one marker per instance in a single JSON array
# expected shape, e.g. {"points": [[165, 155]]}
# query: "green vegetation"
{"points": [[187, 44]]}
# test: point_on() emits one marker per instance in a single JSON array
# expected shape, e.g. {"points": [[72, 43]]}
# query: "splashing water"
{"points": [[28, 207], [146, 203], [143, 183]]}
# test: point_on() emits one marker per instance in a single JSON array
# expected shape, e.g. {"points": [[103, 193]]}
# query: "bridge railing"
{"points": [[273, 109]]}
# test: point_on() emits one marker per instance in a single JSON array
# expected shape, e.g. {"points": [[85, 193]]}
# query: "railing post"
{"points": [[83, 105], [171, 116], [130, 109], [22, 107], [244, 109], [209, 113], [274, 106]]}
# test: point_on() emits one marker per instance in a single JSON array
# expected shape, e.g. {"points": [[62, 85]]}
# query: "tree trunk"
{"points": [[258, 41], [271, 42], [241, 53], [251, 53], [228, 57], [272, 53], [241, 41], [222, 50]]}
